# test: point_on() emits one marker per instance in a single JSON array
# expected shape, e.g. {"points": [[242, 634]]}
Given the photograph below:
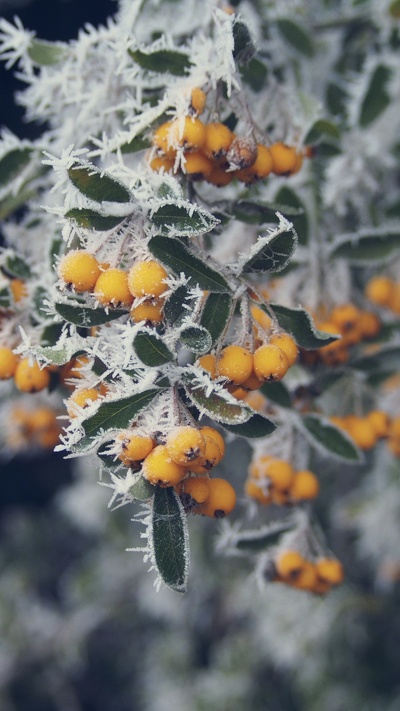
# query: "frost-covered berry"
{"points": [[218, 140], [147, 278], [185, 445], [31, 378], [270, 362], [79, 269], [111, 288], [284, 158], [159, 468], [235, 363], [8, 363], [221, 499]]}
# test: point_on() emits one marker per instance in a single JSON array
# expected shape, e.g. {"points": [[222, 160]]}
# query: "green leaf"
{"points": [[376, 247], [216, 314], [86, 317], [336, 99], [262, 538], [174, 307], [97, 186], [46, 53], [141, 490], [163, 61], [329, 439], [278, 393], [174, 254], [243, 48], [151, 350], [320, 129], [57, 355], [299, 324], [13, 202], [215, 406], [185, 220], [386, 359], [16, 267], [274, 256], [39, 297], [254, 74], [327, 150], [257, 212], [377, 97], [115, 415], [296, 36], [5, 298], [138, 143], [257, 426], [51, 334], [196, 339], [169, 539], [298, 215], [13, 163], [92, 220]]}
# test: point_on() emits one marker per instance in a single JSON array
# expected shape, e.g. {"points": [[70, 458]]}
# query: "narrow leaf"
{"points": [[174, 254], [375, 247], [278, 393], [216, 313], [196, 339], [257, 212], [151, 350], [12, 163], [377, 97], [114, 415], [299, 324], [257, 426], [92, 220], [86, 317], [169, 539], [215, 406], [97, 186], [262, 538], [329, 439], [46, 53], [186, 220], [274, 256], [138, 143], [177, 306], [296, 36], [163, 61], [298, 215], [141, 490]]}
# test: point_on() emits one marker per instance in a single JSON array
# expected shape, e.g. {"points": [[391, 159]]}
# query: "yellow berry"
{"points": [[151, 311], [147, 279], [43, 418], [380, 422], [256, 492], [79, 269], [330, 570], [159, 468], [260, 169], [362, 432], [196, 487], [196, 165], [162, 162], [379, 290], [111, 288], [305, 486], [369, 324], [219, 177], [163, 138], [218, 140], [220, 501], [270, 363], [284, 158], [211, 456], [289, 564], [197, 101], [280, 473], [80, 399], [307, 578], [261, 318], [207, 431], [252, 383], [287, 344], [185, 445], [135, 447], [30, 378], [208, 363], [18, 289], [8, 363], [235, 363], [190, 134]]}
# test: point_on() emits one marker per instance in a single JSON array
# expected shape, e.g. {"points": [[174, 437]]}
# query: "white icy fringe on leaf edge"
{"points": [[272, 233]]}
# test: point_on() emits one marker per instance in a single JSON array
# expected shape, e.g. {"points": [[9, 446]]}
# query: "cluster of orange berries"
{"points": [[352, 324], [275, 481], [318, 575], [212, 152], [245, 370], [384, 291], [367, 430], [28, 377], [184, 459], [37, 427], [145, 281]]}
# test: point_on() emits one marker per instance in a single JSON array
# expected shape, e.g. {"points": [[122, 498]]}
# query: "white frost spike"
{"points": [[284, 226]]}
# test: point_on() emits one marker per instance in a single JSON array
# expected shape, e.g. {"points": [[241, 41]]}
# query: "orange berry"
{"points": [[43, 418], [270, 363], [261, 318], [159, 468], [197, 101], [362, 432], [135, 447], [380, 422], [18, 290], [219, 177], [79, 269], [211, 456], [394, 429], [208, 363], [185, 445], [218, 139], [30, 378], [256, 492], [379, 290], [111, 288], [284, 158], [163, 138], [235, 363], [216, 437], [8, 363], [305, 486], [162, 162], [280, 473], [307, 578], [196, 165], [190, 134], [289, 564], [330, 570], [260, 169], [80, 399], [220, 501], [252, 383], [150, 311], [369, 324], [146, 278], [394, 302], [287, 344], [197, 487]]}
